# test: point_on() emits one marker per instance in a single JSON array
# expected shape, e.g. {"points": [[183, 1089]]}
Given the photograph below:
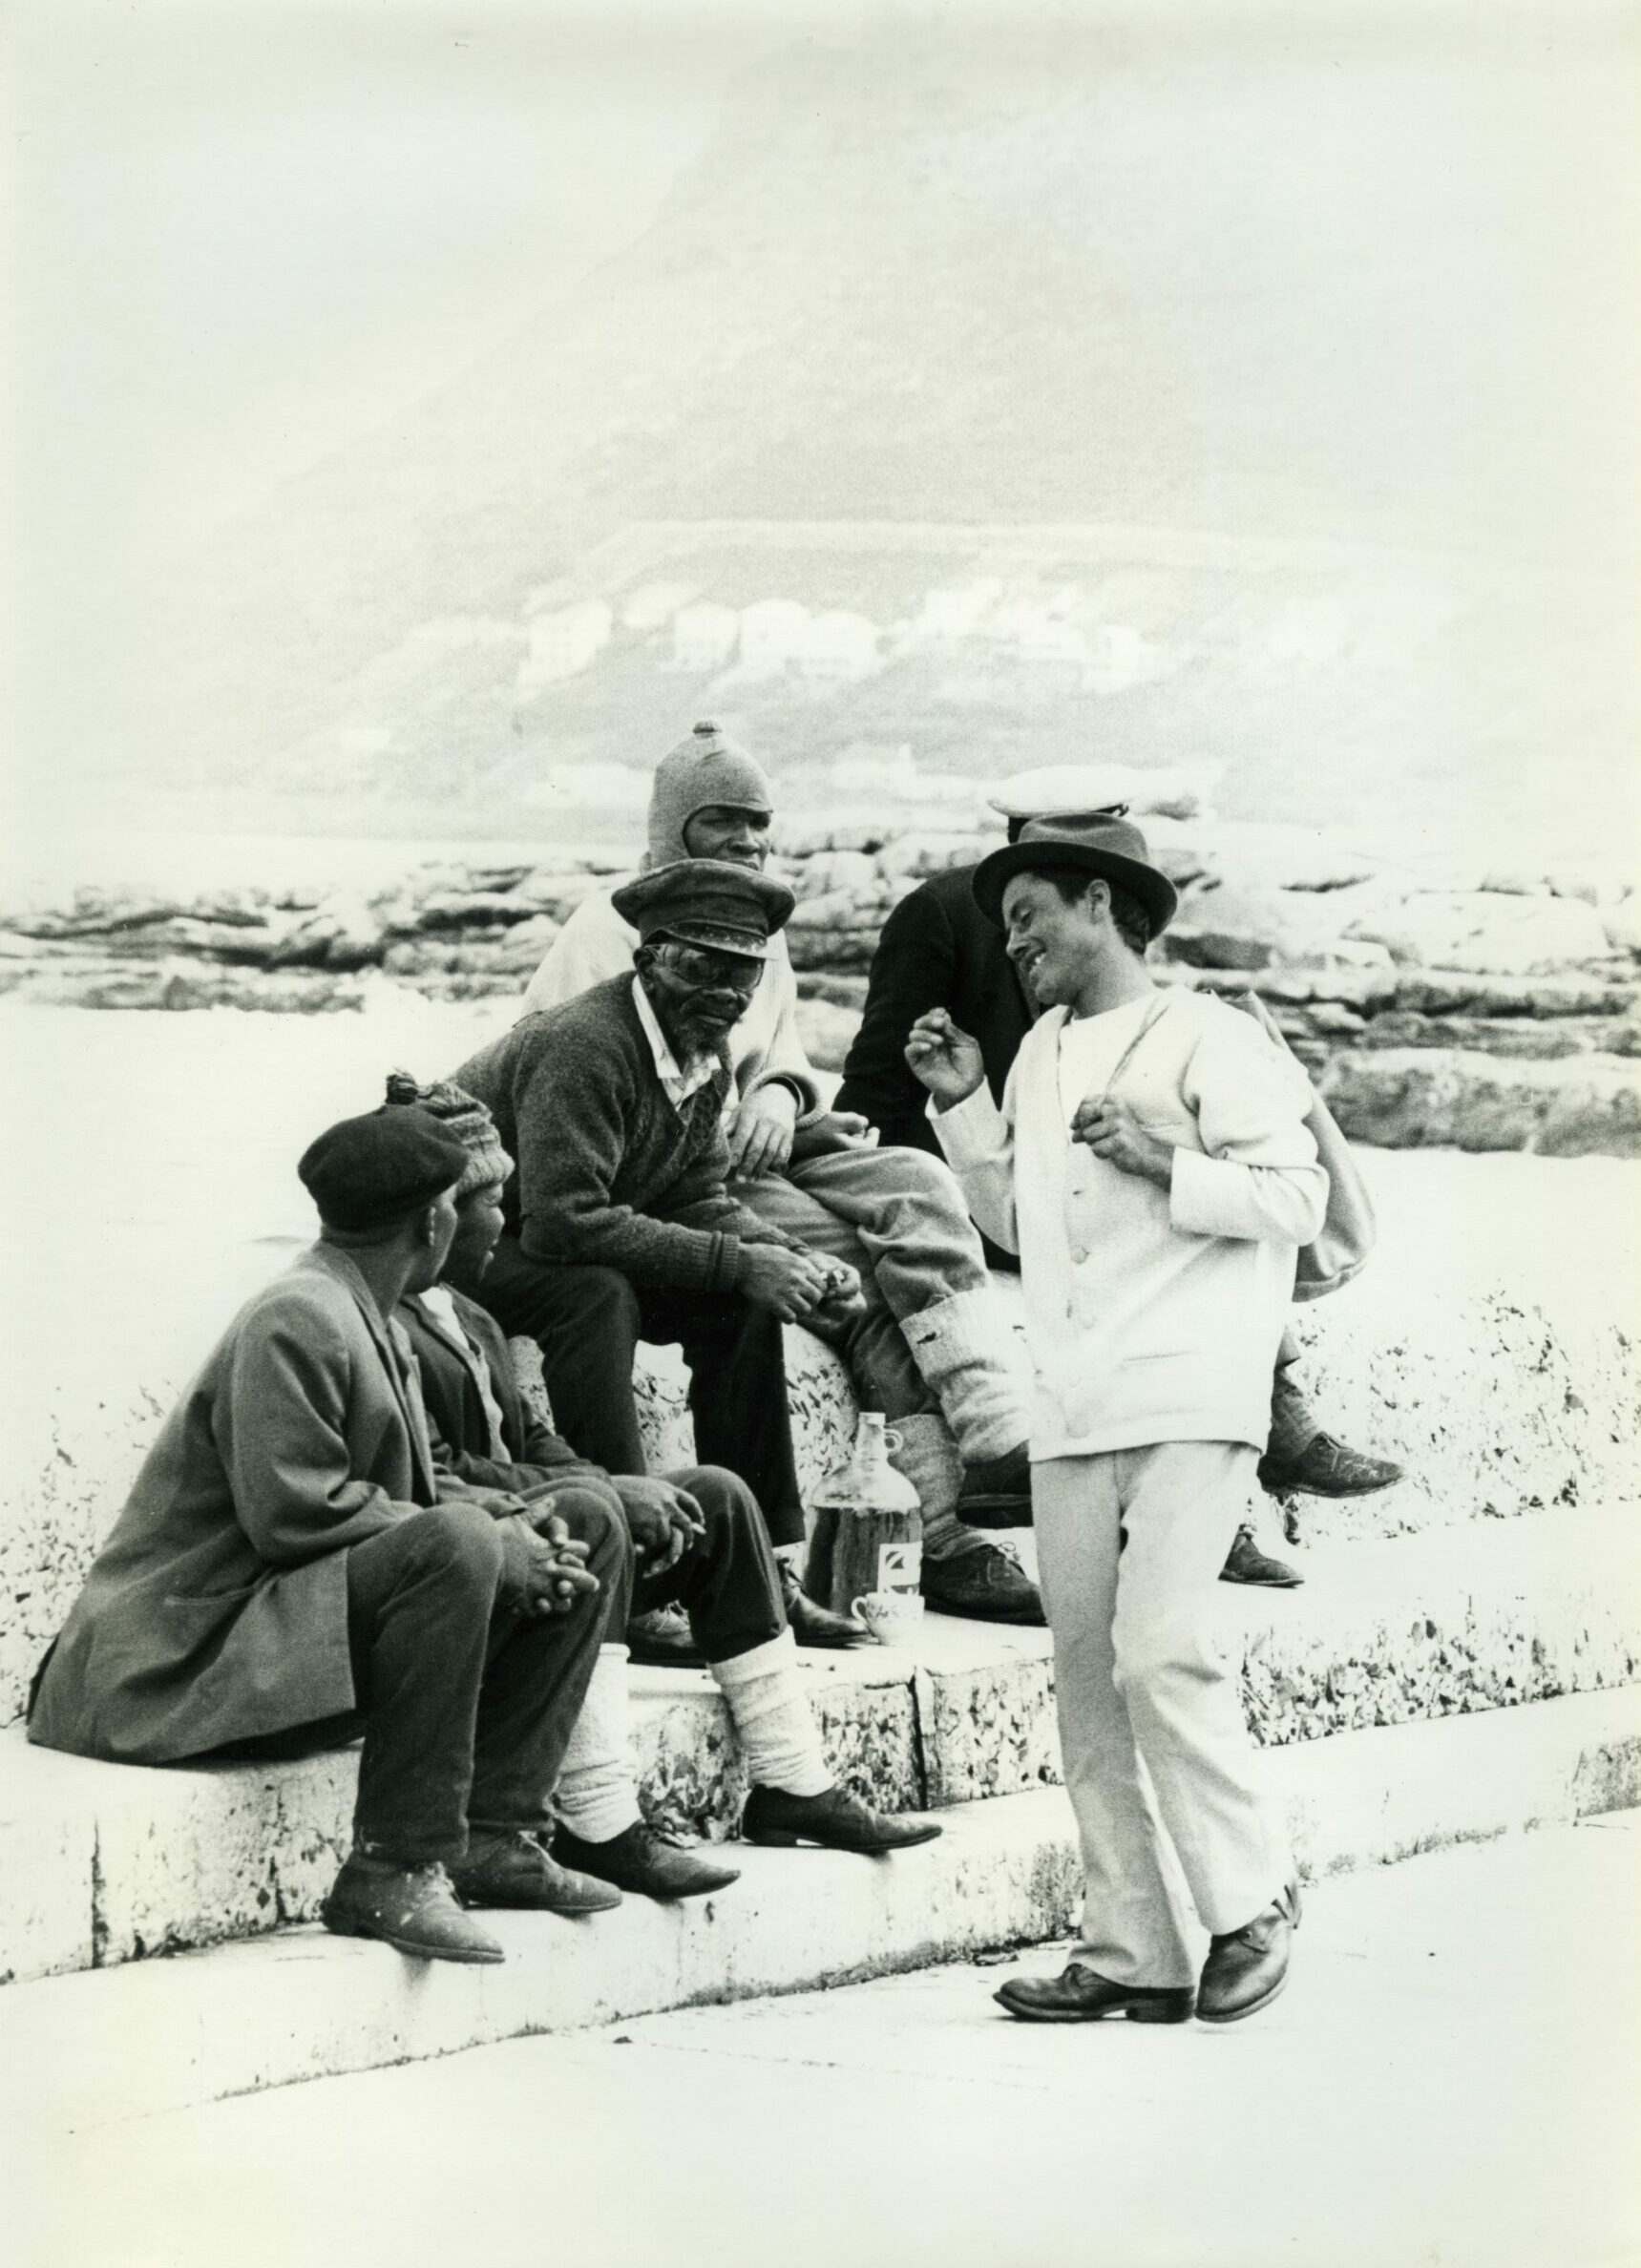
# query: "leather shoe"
{"points": [[644, 1859], [1327, 1467], [837, 1820], [1246, 1563], [513, 1869], [664, 1639], [997, 1492], [987, 1586], [1247, 1967], [412, 1908], [814, 1625], [1080, 1995]]}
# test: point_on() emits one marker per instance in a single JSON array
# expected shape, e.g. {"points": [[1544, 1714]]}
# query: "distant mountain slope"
{"points": [[1350, 293]]}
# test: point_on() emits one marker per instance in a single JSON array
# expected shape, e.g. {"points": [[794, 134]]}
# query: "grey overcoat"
{"points": [[217, 1608]]}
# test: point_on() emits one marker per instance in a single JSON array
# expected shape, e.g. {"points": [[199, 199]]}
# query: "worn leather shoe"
{"points": [[412, 1908], [513, 1870], [997, 1492], [1080, 1995], [814, 1625], [987, 1586], [664, 1639], [1248, 1967], [1246, 1563], [837, 1820], [1326, 1467], [647, 1861]]}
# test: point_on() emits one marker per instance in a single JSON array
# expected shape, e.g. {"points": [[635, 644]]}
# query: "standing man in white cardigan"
{"points": [[1151, 1166]]}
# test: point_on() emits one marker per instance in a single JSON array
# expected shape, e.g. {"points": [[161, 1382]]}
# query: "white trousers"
{"points": [[1158, 1763]]}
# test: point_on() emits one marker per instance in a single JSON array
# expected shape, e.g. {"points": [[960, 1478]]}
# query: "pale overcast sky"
{"points": [[242, 231]]}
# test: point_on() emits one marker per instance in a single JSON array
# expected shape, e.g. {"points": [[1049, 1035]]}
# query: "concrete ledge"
{"points": [[104, 1864], [160, 2035]]}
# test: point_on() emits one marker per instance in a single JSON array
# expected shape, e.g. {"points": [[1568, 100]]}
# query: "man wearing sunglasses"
{"points": [[618, 1222], [928, 1343]]}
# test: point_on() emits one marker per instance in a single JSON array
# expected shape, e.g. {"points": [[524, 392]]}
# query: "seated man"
{"points": [[938, 951], [699, 1540], [288, 1573], [929, 1344], [618, 1225]]}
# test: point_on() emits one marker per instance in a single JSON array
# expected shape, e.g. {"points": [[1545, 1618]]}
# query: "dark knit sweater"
{"points": [[607, 1173]]}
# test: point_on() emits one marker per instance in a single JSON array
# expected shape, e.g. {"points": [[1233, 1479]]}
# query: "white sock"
{"points": [[773, 1722], [597, 1797]]}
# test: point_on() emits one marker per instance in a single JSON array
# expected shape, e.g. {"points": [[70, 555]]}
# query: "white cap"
{"points": [[1061, 789]]}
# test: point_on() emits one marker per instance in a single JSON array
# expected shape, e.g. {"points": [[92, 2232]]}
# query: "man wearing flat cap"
{"points": [[618, 1222], [938, 951], [289, 1572], [1150, 1163], [928, 1343]]}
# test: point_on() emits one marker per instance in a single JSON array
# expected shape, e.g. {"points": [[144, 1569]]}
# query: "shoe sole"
{"points": [[1306, 1488], [1264, 1582], [1018, 1621], [1236, 2015], [471, 1957], [1135, 2013], [788, 1838], [539, 1905]]}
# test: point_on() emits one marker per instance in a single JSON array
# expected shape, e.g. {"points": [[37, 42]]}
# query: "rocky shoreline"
{"points": [[1435, 1007]]}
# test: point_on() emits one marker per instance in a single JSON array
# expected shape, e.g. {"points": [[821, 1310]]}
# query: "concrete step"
{"points": [[103, 1863], [300, 2005]]}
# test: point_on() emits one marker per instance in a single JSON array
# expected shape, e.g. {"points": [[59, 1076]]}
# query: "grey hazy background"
{"points": [[1301, 346]]}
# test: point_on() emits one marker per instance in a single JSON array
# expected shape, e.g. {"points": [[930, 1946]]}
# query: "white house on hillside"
{"points": [[839, 645], [774, 632], [564, 642]]}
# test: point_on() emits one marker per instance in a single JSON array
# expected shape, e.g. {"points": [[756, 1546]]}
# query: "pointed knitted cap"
{"points": [[707, 767], [464, 1117]]}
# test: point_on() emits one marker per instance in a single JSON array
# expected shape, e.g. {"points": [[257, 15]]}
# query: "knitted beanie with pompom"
{"points": [[465, 1118]]}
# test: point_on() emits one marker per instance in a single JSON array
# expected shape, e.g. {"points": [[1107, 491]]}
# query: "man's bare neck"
{"points": [[1112, 982]]}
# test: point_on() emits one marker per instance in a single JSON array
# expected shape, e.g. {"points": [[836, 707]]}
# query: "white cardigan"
{"points": [[1151, 1314]]}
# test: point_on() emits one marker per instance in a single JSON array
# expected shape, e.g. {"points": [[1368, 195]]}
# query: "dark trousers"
{"points": [[588, 1321], [729, 1584], [465, 1702]]}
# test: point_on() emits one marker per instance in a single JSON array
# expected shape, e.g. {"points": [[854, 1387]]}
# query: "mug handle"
{"points": [[854, 1607]]}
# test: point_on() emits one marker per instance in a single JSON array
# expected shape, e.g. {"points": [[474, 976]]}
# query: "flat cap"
{"points": [[367, 1172], [708, 901]]}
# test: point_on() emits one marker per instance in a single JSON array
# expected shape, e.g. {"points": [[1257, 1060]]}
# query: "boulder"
{"points": [[473, 909], [1487, 931], [830, 870], [1426, 1098], [343, 933], [1622, 926], [924, 853], [800, 834], [826, 1030]]}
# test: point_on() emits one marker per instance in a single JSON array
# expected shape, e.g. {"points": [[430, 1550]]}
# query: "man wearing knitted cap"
{"points": [[699, 1542], [290, 1571], [930, 1343]]}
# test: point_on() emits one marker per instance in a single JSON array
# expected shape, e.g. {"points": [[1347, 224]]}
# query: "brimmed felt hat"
{"points": [[368, 1172], [1110, 848], [463, 1117], [708, 901]]}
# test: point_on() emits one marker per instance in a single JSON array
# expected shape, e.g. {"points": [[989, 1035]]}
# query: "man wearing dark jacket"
{"points": [[938, 951], [699, 1540], [290, 1571], [618, 1224]]}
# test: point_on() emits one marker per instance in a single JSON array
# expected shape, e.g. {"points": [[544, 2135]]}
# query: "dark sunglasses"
{"points": [[701, 965]]}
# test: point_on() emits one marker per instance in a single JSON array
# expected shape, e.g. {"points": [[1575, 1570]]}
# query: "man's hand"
{"points": [[835, 1130], [760, 1133], [786, 1283], [949, 1063], [1112, 1132], [663, 1522], [540, 1575]]}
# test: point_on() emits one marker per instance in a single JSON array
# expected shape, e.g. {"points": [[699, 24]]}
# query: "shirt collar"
{"points": [[680, 1082]]}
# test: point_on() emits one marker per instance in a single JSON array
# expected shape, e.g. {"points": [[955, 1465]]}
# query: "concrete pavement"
{"points": [[1454, 2077]]}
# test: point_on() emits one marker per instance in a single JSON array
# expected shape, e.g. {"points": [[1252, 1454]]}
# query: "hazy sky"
{"points": [[241, 231]]}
